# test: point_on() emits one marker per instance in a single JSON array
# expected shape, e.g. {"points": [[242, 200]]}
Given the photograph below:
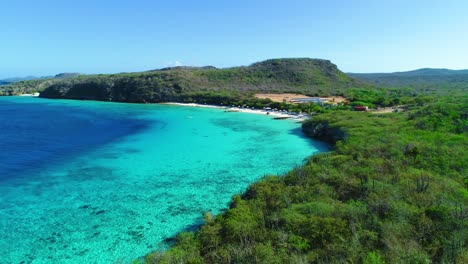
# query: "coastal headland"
{"points": [[391, 189]]}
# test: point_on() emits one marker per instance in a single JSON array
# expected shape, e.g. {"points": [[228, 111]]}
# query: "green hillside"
{"points": [[181, 84], [393, 190]]}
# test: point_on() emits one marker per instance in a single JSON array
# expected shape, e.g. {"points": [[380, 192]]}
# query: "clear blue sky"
{"points": [[103, 36]]}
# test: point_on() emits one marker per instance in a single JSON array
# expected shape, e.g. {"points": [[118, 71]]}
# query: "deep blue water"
{"points": [[96, 182], [35, 133]]}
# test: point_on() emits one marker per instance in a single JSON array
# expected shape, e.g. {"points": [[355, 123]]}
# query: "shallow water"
{"points": [[96, 182]]}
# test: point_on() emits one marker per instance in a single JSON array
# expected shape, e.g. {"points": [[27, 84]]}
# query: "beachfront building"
{"points": [[316, 100]]}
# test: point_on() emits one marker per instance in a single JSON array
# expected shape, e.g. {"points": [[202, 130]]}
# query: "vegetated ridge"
{"points": [[194, 84]]}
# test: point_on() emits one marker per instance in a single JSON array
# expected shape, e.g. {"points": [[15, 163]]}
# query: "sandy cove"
{"points": [[274, 114]]}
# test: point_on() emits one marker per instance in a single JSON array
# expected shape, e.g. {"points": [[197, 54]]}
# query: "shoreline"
{"points": [[275, 114]]}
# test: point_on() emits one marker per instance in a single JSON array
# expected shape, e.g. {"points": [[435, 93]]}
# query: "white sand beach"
{"points": [[34, 94], [275, 114]]}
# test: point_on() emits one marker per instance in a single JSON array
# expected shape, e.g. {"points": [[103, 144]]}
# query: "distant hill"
{"points": [[304, 75], [66, 75], [30, 78], [431, 72], [27, 78], [30, 84], [19, 79], [421, 78], [185, 68]]}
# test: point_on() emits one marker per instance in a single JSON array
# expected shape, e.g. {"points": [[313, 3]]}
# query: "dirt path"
{"points": [[287, 97], [386, 110]]}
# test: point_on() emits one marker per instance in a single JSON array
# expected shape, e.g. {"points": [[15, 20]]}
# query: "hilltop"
{"points": [[182, 84]]}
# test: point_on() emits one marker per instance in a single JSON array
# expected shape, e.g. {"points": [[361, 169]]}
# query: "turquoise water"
{"points": [[95, 182]]}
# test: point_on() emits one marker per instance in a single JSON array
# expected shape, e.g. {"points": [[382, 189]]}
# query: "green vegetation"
{"points": [[191, 84], [393, 190]]}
